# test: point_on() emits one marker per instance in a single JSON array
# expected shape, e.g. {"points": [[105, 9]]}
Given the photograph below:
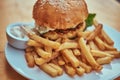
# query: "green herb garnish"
{"points": [[89, 20]]}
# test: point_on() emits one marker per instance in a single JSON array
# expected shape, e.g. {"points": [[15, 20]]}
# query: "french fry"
{"points": [[33, 43], [104, 34], [97, 53], [92, 45], [85, 66], [54, 61], [65, 59], [35, 55], [30, 59], [104, 60], [70, 70], [48, 49], [80, 71], [115, 53], [44, 41], [88, 47], [29, 49], [39, 61], [108, 47], [68, 45], [49, 70], [107, 38], [95, 32], [59, 69], [99, 43], [69, 55], [84, 34], [54, 55], [76, 52], [83, 59], [43, 53], [61, 61], [88, 55]]}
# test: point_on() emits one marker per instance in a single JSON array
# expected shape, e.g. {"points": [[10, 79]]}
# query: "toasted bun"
{"points": [[60, 14]]}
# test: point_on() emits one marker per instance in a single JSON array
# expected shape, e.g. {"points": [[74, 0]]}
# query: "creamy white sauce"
{"points": [[17, 32]]}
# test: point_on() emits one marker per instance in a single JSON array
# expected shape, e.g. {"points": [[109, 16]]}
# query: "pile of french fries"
{"points": [[75, 53]]}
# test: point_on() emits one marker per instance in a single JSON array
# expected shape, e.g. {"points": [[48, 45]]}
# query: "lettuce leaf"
{"points": [[89, 20]]}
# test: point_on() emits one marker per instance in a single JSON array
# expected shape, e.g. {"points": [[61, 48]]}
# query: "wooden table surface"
{"points": [[11, 11]]}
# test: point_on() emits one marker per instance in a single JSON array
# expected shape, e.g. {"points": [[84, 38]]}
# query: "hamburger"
{"points": [[61, 16]]}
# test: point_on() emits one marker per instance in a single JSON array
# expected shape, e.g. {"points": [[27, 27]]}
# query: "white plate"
{"points": [[17, 60]]}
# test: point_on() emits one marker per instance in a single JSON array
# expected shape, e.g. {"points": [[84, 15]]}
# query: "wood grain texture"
{"points": [[11, 11]]}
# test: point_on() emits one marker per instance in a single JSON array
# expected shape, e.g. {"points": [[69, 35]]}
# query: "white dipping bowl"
{"points": [[14, 41]]}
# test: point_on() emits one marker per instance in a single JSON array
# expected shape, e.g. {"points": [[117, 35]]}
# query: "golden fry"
{"points": [[29, 49], [115, 53], [68, 45], [76, 52], [59, 69], [99, 43], [108, 47], [85, 66], [39, 61], [60, 61], [69, 55], [48, 49], [65, 59], [49, 70], [88, 55], [70, 70], [33, 43], [104, 34], [54, 61], [107, 38], [92, 45], [43, 53], [44, 41], [88, 47], [30, 59], [83, 59], [80, 71], [54, 55], [104, 60], [97, 53], [95, 32]]}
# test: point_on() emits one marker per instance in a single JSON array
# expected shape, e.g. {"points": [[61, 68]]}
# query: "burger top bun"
{"points": [[59, 14]]}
